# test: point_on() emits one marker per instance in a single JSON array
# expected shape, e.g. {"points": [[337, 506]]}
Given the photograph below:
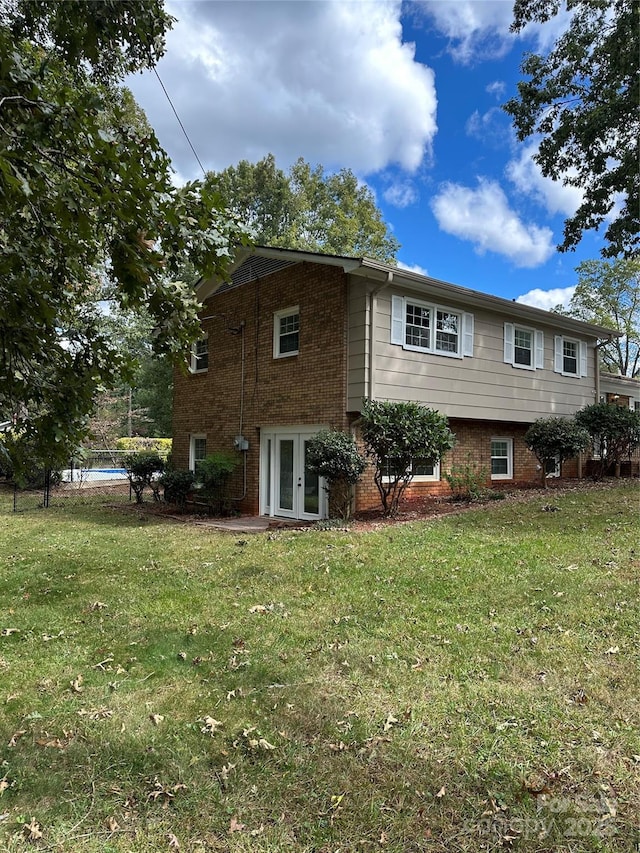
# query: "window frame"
{"points": [[196, 356], [278, 316], [420, 478], [509, 457], [581, 357], [435, 314], [193, 439], [537, 346]]}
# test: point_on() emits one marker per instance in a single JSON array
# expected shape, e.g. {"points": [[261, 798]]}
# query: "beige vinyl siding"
{"points": [[482, 387], [358, 359]]}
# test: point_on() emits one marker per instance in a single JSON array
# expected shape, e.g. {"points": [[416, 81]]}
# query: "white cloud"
{"points": [[332, 82], [479, 29], [401, 194], [491, 127], [527, 177], [547, 299], [483, 217], [497, 88], [413, 268]]}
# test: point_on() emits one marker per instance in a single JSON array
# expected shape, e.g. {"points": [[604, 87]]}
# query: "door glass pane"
{"points": [[311, 487], [286, 474]]}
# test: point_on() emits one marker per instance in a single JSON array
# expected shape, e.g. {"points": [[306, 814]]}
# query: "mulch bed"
{"points": [[412, 509]]}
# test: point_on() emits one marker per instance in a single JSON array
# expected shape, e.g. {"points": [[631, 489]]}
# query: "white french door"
{"points": [[287, 488]]}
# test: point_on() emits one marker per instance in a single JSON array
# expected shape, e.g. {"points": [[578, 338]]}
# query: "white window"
{"points": [[570, 356], [636, 405], [523, 347], [421, 471], [425, 471], [200, 355], [197, 450], [423, 327], [286, 332], [501, 458], [552, 466]]}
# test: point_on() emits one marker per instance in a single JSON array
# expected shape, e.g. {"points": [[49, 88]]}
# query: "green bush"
{"points": [[614, 432], [212, 478], [162, 446], [177, 486], [334, 455], [144, 470], [396, 435], [549, 438], [467, 482]]}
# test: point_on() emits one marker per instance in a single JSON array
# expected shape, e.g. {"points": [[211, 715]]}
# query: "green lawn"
{"points": [[463, 684]]}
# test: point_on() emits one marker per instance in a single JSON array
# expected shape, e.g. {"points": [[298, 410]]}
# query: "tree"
{"points": [[555, 438], [334, 455], [614, 432], [398, 436], [608, 293], [88, 212], [582, 99], [306, 208]]}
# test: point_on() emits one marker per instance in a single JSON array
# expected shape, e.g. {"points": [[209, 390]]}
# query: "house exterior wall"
{"points": [[307, 388], [482, 387], [472, 448]]}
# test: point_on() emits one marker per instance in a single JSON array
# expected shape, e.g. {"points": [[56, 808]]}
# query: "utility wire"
{"points": [[175, 112]]}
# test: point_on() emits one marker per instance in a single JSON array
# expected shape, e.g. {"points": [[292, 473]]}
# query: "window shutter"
{"points": [[508, 342], [557, 348], [583, 358], [467, 334], [397, 320], [539, 349]]}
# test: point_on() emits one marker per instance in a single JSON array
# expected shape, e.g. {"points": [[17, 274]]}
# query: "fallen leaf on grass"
{"points": [[4, 784], [389, 723], [210, 726], [98, 605], [441, 792], [156, 719], [112, 824], [174, 844], [236, 826], [15, 737], [32, 830], [76, 685], [613, 650], [6, 632]]}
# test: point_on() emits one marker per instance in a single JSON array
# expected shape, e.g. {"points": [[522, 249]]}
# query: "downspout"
{"points": [[372, 307]]}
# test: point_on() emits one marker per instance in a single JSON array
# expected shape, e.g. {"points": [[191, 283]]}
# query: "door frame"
{"points": [[268, 474]]}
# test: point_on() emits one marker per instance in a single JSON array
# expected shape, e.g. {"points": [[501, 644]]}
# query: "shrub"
{"points": [[177, 486], [212, 476], [334, 455], [396, 435], [162, 446], [614, 431], [549, 438], [144, 470], [467, 482]]}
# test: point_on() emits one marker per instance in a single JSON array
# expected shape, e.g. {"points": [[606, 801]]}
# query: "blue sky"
{"points": [[407, 95]]}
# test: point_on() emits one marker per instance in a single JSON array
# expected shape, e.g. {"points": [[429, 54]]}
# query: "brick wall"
{"points": [[473, 447], [308, 388]]}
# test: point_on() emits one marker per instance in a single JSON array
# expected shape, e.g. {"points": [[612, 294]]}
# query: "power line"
{"points": [[175, 112]]}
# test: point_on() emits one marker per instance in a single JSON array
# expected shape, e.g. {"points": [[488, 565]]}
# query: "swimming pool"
{"points": [[84, 475]]}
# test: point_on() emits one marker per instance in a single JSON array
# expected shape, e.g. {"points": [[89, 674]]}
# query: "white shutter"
{"points": [[508, 342], [583, 358], [557, 349], [539, 349], [467, 334], [397, 320]]}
